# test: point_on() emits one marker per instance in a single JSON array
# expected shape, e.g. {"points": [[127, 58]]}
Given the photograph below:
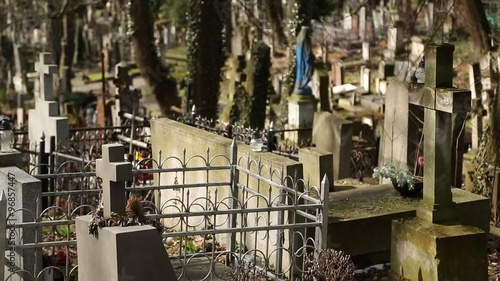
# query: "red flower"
{"points": [[61, 258], [420, 160]]}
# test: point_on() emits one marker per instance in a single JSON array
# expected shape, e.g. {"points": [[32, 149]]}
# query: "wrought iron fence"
{"points": [[227, 210]]}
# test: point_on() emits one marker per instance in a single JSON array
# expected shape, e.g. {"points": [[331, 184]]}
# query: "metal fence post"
{"points": [[322, 231], [270, 137], [3, 232], [231, 224], [43, 165], [52, 166]]}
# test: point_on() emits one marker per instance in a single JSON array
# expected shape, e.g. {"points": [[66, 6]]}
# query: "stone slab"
{"points": [[11, 159], [425, 251], [134, 252], [360, 218]]}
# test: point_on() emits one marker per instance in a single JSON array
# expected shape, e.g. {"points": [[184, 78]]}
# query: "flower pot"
{"points": [[405, 190]]}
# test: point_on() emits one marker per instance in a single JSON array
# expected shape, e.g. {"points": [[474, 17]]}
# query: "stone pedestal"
{"points": [[121, 253], [300, 115], [11, 159], [317, 163], [430, 252]]}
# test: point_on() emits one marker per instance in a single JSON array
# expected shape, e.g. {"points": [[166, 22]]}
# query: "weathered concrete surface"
{"points": [[360, 219], [431, 252]]}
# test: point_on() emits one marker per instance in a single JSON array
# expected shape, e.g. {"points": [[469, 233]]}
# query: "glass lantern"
{"points": [[6, 136], [256, 142]]}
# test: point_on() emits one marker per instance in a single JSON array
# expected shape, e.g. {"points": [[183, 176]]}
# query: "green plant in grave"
{"points": [[401, 176]]}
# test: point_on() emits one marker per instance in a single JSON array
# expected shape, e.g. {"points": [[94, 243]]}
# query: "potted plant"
{"points": [[405, 182]]}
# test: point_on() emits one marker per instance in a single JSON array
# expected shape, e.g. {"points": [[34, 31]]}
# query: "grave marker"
{"points": [[114, 173], [45, 117], [476, 87], [435, 237], [440, 101], [115, 255]]}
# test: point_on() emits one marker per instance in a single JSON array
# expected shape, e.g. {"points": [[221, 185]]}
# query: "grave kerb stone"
{"points": [[114, 173]]}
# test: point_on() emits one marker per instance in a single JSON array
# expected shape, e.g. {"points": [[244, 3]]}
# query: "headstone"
{"points": [[332, 133], [365, 51], [394, 140], [114, 173], [23, 193], [435, 237], [378, 19], [429, 14], [320, 89], [354, 32], [300, 115], [317, 163], [337, 73], [347, 21], [403, 70], [476, 88], [45, 117], [115, 254], [365, 79], [362, 23]]}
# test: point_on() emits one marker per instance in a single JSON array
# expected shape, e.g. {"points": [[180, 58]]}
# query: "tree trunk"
{"points": [[274, 14], [477, 24], [67, 46], [205, 53], [154, 72]]}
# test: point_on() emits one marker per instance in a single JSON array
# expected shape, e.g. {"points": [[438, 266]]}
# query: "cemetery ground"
{"points": [[123, 196]]}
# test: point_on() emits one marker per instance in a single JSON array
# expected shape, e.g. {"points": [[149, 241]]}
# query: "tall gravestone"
{"points": [[333, 134], [434, 246], [45, 117], [119, 253], [23, 193]]}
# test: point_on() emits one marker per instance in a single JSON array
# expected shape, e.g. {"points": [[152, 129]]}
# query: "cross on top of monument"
{"points": [[114, 172], [45, 117], [46, 68], [440, 102]]}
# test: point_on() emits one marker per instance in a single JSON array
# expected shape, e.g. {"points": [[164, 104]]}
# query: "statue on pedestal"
{"points": [[305, 62]]}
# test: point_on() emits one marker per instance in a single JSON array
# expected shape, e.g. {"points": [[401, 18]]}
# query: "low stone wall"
{"points": [[183, 145]]}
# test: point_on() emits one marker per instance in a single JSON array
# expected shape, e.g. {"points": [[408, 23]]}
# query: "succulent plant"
{"points": [[401, 176]]}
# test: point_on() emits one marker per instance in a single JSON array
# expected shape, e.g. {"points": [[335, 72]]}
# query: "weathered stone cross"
{"points": [[440, 101], [114, 172], [46, 68], [45, 118]]}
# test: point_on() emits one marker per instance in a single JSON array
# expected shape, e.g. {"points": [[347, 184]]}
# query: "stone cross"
{"points": [[114, 172], [440, 101], [45, 117], [46, 68]]}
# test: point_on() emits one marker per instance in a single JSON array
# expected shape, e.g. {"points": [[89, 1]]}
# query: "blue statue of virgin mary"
{"points": [[305, 62]]}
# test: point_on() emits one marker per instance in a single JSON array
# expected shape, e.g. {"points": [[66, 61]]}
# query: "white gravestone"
{"points": [[45, 119]]}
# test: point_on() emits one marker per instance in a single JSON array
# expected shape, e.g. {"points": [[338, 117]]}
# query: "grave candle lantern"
{"points": [[6, 136]]}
